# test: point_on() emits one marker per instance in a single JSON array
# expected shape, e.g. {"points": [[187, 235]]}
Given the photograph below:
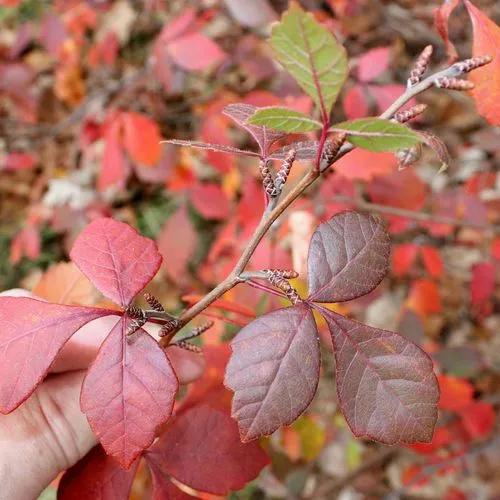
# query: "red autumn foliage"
{"points": [[88, 90]]}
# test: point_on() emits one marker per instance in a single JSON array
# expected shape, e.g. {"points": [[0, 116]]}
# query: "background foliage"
{"points": [[88, 89]]}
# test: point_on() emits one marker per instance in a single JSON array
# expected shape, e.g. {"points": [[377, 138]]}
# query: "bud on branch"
{"points": [[421, 65]]}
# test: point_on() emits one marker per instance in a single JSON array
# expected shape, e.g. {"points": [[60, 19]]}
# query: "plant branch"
{"points": [[410, 214], [278, 205]]}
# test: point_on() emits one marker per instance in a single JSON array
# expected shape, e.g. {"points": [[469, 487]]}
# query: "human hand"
{"points": [[48, 433]]}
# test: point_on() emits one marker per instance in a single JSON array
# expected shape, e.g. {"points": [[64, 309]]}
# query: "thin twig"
{"points": [[329, 488], [410, 214], [278, 205]]}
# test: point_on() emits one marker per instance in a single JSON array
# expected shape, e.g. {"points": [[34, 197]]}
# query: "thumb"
{"points": [[43, 437]]}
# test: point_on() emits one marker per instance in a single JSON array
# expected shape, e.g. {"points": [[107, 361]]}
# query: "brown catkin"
{"points": [[267, 178], [275, 277], [407, 157], [283, 273], [421, 65], [168, 327], [154, 303], [188, 346], [284, 171], [134, 325], [409, 114], [331, 149], [453, 84], [474, 62], [195, 332], [135, 312]]}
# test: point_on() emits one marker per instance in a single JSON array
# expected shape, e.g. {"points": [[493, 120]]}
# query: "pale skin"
{"points": [[49, 433]]}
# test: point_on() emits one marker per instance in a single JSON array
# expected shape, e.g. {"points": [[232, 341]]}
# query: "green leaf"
{"points": [[284, 119], [376, 134], [311, 55]]}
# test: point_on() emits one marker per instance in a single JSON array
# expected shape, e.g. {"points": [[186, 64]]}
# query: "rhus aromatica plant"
{"points": [[385, 384]]}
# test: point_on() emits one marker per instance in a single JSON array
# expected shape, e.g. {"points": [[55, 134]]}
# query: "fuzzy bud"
{"points": [[409, 114], [276, 278], [134, 325], [286, 166], [407, 157], [196, 332], [331, 149], [168, 327], [267, 179], [188, 346], [154, 303], [472, 63], [283, 273], [421, 65], [453, 84]]}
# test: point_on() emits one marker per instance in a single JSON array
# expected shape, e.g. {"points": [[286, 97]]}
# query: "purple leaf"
{"points": [[439, 147], [119, 261], [385, 383], [348, 257], [273, 370], [96, 476], [221, 148], [304, 150], [128, 392], [32, 332], [264, 137]]}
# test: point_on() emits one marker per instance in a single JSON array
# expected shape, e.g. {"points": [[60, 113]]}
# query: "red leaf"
{"points": [[442, 437], [195, 52], [209, 388], [32, 332], [486, 41], [495, 248], [403, 257], [128, 392], [400, 189], [118, 260], [478, 419], [424, 297], [456, 393], [25, 244], [348, 257], [96, 477], [355, 103], [210, 201], [114, 168], [177, 242], [179, 25], [432, 261], [483, 283], [273, 370], [163, 488], [441, 17], [385, 383], [208, 437], [19, 161], [362, 164], [373, 63], [141, 138]]}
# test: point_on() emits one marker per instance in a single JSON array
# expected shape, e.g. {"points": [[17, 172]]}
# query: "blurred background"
{"points": [[89, 88]]}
